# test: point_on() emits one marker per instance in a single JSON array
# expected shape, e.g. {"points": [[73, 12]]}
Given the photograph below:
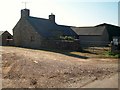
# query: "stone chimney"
{"points": [[52, 17], [25, 13]]}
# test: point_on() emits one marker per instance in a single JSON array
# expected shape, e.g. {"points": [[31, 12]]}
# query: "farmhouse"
{"points": [[6, 38], [34, 32]]}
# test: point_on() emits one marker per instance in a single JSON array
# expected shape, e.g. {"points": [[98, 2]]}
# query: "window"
{"points": [[8, 37], [32, 38]]}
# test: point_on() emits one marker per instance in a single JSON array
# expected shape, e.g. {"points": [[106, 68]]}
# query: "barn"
{"points": [[6, 38], [112, 30], [100, 35], [34, 32], [89, 36]]}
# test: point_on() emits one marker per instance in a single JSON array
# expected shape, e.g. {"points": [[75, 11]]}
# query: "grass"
{"points": [[111, 54]]}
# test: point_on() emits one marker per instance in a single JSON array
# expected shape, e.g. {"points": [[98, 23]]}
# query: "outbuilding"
{"points": [[100, 35], [6, 38]]}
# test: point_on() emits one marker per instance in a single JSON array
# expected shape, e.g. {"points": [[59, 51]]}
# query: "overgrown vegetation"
{"points": [[111, 54], [70, 38]]}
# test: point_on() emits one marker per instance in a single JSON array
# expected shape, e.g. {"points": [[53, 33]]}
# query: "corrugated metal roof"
{"points": [[89, 30], [105, 24], [48, 29]]}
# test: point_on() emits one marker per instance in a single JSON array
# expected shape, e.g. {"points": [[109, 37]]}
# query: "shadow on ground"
{"points": [[65, 52]]}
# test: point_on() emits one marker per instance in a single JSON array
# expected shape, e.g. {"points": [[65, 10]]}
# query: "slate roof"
{"points": [[48, 29], [67, 30], [89, 30]]}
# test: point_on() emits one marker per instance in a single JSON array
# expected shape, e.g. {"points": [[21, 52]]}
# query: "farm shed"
{"points": [[100, 35], [6, 38]]}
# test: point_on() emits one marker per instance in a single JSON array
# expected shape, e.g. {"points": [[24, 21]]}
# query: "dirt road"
{"points": [[111, 82], [28, 68]]}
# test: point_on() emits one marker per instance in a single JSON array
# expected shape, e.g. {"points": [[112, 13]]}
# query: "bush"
{"points": [[67, 38], [111, 54]]}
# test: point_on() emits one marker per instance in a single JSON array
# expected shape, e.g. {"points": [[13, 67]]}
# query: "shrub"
{"points": [[111, 54]]}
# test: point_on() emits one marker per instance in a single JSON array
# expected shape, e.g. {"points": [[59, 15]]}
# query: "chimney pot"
{"points": [[52, 17], [25, 12]]}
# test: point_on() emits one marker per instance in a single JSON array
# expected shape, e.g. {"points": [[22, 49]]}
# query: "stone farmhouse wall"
{"points": [[26, 36]]}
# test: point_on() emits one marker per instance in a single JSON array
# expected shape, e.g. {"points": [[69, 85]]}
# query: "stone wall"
{"points": [[61, 44], [26, 36]]}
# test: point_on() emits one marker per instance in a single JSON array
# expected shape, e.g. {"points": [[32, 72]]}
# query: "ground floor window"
{"points": [[32, 38]]}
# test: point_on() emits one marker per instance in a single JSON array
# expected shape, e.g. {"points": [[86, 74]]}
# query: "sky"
{"points": [[67, 12]]}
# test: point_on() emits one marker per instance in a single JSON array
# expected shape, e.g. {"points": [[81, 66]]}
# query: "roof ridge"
{"points": [[106, 24], [38, 18]]}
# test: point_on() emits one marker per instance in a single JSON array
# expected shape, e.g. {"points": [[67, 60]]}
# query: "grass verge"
{"points": [[111, 54]]}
